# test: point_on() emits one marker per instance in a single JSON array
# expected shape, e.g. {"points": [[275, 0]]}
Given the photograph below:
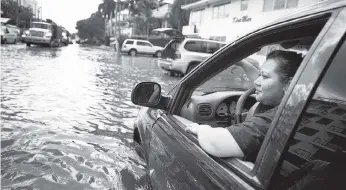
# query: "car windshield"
{"points": [[40, 25], [234, 78]]}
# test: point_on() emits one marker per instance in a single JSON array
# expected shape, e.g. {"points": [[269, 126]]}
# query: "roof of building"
{"points": [[201, 4]]}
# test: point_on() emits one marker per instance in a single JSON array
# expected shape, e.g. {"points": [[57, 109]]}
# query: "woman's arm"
{"points": [[218, 142], [251, 71]]}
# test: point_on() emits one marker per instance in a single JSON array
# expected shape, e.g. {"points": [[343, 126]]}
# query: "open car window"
{"points": [[234, 78]]}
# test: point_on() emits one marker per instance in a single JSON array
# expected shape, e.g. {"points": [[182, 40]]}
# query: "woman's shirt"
{"points": [[250, 134]]}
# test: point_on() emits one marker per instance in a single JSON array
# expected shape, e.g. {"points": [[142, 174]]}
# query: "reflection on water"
{"points": [[66, 117]]}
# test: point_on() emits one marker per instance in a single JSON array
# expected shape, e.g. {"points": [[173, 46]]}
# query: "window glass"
{"points": [[220, 11], [292, 3], [215, 11], [244, 5], [141, 43], [268, 5], [279, 4], [147, 44], [40, 25], [212, 47], [195, 46], [322, 129], [129, 42]]}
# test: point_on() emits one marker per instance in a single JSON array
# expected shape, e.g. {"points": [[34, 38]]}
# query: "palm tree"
{"points": [[178, 17]]}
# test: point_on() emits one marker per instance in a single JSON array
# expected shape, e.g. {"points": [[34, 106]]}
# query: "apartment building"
{"points": [[162, 12], [225, 20]]}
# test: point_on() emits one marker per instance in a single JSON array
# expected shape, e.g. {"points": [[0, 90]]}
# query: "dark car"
{"points": [[309, 127]]}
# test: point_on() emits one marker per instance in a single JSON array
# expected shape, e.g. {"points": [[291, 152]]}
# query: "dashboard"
{"points": [[216, 109]]}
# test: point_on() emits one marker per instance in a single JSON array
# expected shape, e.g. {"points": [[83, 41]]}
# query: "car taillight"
{"points": [[177, 55]]}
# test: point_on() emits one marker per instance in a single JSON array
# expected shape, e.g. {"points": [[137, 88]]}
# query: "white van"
{"points": [[8, 34]]}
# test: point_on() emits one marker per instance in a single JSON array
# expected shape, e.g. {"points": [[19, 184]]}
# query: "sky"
{"points": [[67, 12]]}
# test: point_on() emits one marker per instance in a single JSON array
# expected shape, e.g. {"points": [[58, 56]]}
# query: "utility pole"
{"points": [[17, 13], [116, 25]]}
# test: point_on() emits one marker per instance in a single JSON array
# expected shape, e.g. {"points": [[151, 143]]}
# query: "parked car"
{"points": [[134, 46], [8, 35], [308, 127], [14, 29], [182, 56], [161, 36]]}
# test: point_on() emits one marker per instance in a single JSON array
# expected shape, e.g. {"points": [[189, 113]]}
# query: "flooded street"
{"points": [[66, 117]]}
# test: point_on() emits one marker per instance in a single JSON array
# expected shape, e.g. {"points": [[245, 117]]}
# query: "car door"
{"points": [[149, 48], [11, 35], [176, 161], [8, 35], [140, 46]]}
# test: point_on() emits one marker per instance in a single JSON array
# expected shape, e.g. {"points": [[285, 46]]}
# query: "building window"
{"points": [[270, 5], [220, 11], [196, 17], [244, 5]]}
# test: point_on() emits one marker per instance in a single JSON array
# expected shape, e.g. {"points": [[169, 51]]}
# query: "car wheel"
{"points": [[28, 44], [158, 54], [171, 73], [191, 67], [132, 52], [5, 41]]}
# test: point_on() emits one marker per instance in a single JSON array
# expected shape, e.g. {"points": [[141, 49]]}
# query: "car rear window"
{"points": [[203, 46], [129, 42]]}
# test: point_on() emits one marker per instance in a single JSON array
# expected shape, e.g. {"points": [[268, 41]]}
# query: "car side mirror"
{"points": [[146, 94]]}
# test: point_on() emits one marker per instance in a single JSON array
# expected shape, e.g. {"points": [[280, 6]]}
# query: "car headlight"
{"points": [[27, 33]]}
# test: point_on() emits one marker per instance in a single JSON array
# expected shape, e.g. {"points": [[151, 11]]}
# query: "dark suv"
{"points": [[308, 128]]}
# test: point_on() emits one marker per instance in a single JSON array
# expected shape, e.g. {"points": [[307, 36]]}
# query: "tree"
{"points": [[92, 27], [9, 8], [178, 17]]}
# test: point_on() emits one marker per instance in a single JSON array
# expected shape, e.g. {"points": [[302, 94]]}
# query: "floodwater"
{"points": [[67, 117]]}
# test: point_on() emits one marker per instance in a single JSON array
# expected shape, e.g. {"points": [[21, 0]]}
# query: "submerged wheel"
{"points": [[191, 67], [133, 52], [158, 54]]}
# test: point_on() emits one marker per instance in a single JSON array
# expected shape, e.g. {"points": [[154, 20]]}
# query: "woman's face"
{"points": [[269, 88]]}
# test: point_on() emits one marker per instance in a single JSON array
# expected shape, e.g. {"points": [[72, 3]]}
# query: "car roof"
{"points": [[137, 40], [42, 23]]}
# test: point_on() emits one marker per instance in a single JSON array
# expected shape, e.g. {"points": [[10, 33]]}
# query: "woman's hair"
{"points": [[288, 63]]}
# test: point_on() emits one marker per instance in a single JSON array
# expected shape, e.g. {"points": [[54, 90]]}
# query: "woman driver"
{"points": [[244, 139]]}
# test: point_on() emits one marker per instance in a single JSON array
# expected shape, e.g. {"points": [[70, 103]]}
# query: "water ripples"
{"points": [[67, 117]]}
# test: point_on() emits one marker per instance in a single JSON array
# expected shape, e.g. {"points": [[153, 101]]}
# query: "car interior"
{"points": [[216, 108]]}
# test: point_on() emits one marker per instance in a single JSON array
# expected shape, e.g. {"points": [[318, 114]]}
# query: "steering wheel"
{"points": [[240, 105]]}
